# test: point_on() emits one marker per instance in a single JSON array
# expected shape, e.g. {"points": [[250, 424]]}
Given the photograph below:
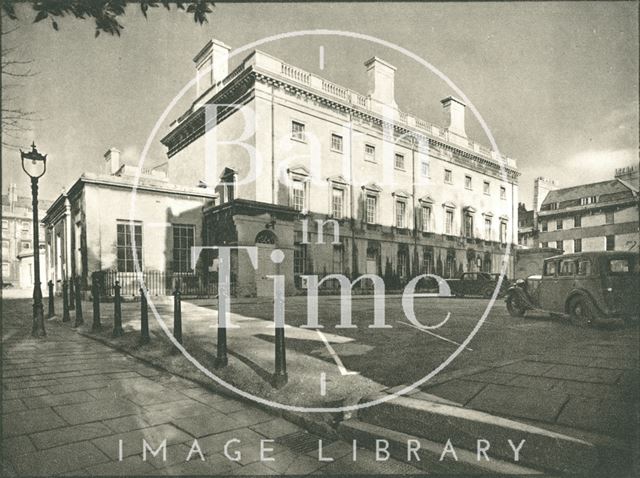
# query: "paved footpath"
{"points": [[68, 400]]}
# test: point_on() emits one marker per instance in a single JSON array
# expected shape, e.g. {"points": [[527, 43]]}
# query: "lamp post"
{"points": [[35, 165]]}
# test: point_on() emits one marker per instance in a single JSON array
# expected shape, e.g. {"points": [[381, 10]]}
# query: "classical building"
{"points": [[600, 216], [89, 228], [398, 196], [17, 239], [527, 230]]}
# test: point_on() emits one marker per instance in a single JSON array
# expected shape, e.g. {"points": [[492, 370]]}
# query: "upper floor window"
{"points": [[127, 234], [487, 229], [298, 131], [468, 225], [448, 222], [337, 202], [424, 169], [448, 176], [401, 211], [486, 187], [577, 221], [183, 242], [559, 224], [544, 225], [6, 269], [503, 232], [370, 152], [426, 218], [503, 192], [560, 245], [588, 200], [26, 226], [298, 195], [26, 245], [5, 245], [608, 217], [577, 245], [467, 182], [5, 224], [610, 243], [399, 161], [336, 143], [371, 208]]}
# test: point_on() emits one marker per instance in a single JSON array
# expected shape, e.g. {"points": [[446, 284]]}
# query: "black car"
{"points": [[477, 283]]}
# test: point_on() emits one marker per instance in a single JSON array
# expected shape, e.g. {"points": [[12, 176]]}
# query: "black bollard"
{"points": [[51, 300], [95, 293], [65, 301], [221, 354], [280, 377], [177, 314], [117, 312], [72, 295], [144, 318], [79, 318]]}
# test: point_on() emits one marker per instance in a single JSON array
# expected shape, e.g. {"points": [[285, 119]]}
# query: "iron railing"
{"points": [[157, 283]]}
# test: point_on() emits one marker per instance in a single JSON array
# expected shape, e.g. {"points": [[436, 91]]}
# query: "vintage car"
{"points": [[587, 287], [477, 283]]}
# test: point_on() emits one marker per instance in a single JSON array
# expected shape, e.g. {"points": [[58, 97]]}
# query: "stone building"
{"points": [[17, 239], [600, 216], [398, 196], [88, 227]]}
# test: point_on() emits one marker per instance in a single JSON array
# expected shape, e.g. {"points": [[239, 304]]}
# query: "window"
{"points": [[503, 232], [401, 210], [608, 217], [545, 226], [487, 229], [588, 200], [5, 247], [298, 195], [336, 143], [297, 131], [427, 261], [584, 268], [550, 268], [5, 224], [467, 182], [567, 268], [577, 245], [544, 244], [338, 258], [399, 161], [577, 221], [299, 258], [426, 218], [559, 224], [610, 243], [503, 192], [468, 225], [560, 245], [448, 222], [448, 176], [6, 269], [26, 226], [126, 235], [26, 245], [486, 188], [370, 153], [424, 169], [371, 208], [183, 242], [337, 202]]}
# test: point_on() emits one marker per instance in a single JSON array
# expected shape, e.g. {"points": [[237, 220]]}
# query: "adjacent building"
{"points": [[17, 239], [601, 216], [395, 195]]}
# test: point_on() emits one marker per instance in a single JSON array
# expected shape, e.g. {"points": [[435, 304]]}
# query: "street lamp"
{"points": [[35, 165]]}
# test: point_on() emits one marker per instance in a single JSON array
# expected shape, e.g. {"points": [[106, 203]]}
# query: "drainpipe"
{"points": [[354, 258]]}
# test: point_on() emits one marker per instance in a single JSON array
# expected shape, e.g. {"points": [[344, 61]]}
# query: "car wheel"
{"points": [[515, 306], [487, 292], [582, 312]]}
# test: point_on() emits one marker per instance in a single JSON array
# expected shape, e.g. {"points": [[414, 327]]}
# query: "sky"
{"points": [[556, 83]]}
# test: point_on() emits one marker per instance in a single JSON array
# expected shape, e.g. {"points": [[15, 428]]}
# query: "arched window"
{"points": [[266, 237]]}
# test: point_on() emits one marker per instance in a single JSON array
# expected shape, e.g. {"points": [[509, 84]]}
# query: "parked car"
{"points": [[585, 286], [477, 283]]}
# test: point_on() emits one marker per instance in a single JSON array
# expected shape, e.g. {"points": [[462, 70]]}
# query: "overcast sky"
{"points": [[557, 83]]}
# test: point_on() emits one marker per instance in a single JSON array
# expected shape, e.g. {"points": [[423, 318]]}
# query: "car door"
{"points": [[565, 283], [548, 284]]}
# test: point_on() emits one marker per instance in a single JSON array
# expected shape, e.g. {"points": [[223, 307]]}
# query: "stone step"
{"points": [[428, 453], [543, 449]]}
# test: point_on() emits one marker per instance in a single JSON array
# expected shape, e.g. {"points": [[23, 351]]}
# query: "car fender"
{"points": [[516, 290], [580, 293]]}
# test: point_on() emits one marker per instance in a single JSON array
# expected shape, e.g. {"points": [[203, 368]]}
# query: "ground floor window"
{"points": [[373, 257], [338, 259], [403, 262], [450, 266], [427, 261], [300, 259], [183, 242], [610, 243], [577, 245], [127, 234]]}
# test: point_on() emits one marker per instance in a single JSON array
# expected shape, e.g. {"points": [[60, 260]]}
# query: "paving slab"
{"points": [[203, 425], [596, 415], [20, 445], [58, 460], [526, 368], [584, 374], [132, 441], [30, 421], [460, 391], [275, 428], [96, 410], [130, 466], [544, 405], [492, 376], [65, 435], [14, 405], [58, 399]]}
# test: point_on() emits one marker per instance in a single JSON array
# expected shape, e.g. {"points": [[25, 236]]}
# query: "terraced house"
{"points": [[394, 195], [600, 216]]}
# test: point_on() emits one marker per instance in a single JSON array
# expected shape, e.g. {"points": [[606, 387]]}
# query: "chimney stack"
{"points": [[381, 86], [453, 109], [212, 65], [112, 161]]}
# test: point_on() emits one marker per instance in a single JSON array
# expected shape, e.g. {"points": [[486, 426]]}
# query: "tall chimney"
{"points": [[212, 65], [381, 77], [112, 161], [541, 187], [453, 110]]}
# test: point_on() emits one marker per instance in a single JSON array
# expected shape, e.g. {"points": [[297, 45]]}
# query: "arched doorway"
{"points": [[266, 241]]}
